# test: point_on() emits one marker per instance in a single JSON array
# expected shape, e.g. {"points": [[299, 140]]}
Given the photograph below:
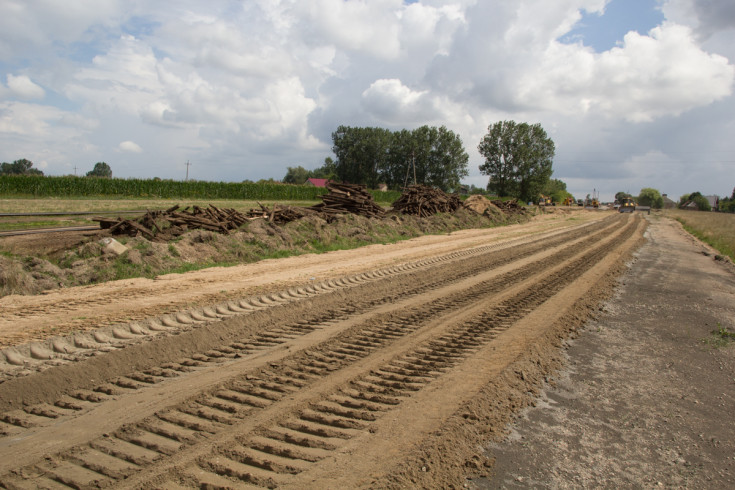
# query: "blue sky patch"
{"points": [[603, 32]]}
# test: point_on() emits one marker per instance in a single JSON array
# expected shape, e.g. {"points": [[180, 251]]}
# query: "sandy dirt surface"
{"points": [[56, 312], [385, 367], [648, 392]]}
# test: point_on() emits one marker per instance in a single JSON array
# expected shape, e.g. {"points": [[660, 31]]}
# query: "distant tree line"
{"points": [[518, 159], [19, 167], [25, 167], [695, 200], [425, 155]]}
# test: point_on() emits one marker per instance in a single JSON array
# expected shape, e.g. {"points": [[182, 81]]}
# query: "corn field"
{"points": [[80, 187]]}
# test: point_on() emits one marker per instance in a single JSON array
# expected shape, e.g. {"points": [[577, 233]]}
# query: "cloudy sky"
{"points": [[635, 93]]}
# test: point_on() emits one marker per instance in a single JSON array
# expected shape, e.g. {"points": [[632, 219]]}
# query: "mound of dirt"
{"points": [[484, 206]]}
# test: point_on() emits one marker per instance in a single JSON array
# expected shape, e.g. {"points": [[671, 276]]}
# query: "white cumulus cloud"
{"points": [[23, 87], [130, 146], [648, 76]]}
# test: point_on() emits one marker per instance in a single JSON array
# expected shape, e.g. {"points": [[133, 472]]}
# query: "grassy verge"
{"points": [[714, 229]]}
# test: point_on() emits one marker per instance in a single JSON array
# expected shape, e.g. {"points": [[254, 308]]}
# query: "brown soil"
{"points": [[384, 366], [646, 397]]}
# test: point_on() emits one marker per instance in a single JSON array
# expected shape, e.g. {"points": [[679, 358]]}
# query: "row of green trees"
{"points": [[426, 155], [518, 159], [25, 167], [19, 167]]}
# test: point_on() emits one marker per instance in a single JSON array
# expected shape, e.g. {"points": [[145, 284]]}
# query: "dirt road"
{"points": [[344, 370], [648, 392]]}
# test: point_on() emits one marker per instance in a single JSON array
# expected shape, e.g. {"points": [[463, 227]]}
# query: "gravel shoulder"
{"points": [[647, 394]]}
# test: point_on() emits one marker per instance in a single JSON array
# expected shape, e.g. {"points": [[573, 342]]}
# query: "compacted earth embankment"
{"points": [[380, 367]]}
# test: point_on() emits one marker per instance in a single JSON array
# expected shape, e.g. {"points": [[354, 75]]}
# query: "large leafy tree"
{"points": [[19, 167], [296, 175], [362, 154], [426, 155], [518, 159], [651, 197], [447, 162], [101, 169]]}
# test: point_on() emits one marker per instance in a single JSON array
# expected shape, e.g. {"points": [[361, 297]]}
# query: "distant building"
{"points": [[317, 182], [668, 203], [714, 202]]}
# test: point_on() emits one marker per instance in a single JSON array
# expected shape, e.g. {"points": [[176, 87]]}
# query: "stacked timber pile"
{"points": [[279, 214], [171, 223], [424, 201], [348, 198]]}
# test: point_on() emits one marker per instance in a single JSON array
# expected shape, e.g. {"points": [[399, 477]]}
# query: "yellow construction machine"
{"points": [[627, 205]]}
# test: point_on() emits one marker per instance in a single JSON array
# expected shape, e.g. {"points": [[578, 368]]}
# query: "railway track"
{"points": [[55, 229], [59, 214], [302, 388]]}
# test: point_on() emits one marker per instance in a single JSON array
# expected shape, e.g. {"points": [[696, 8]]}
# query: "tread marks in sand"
{"points": [[301, 435]]}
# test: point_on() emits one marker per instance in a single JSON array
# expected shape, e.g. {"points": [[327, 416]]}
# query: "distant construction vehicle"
{"points": [[544, 200], [568, 201], [594, 202], [627, 205]]}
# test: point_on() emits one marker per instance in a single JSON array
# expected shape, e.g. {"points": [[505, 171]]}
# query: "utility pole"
{"points": [[408, 170], [187, 170], [75, 170]]}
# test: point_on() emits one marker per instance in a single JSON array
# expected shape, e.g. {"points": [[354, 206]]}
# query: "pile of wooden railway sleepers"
{"points": [[279, 214], [168, 224], [348, 198], [510, 207], [423, 201]]}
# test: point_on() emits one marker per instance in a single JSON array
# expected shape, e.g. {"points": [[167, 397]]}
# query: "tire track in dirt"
{"points": [[264, 338], [278, 452], [20, 360], [83, 308], [207, 416]]}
